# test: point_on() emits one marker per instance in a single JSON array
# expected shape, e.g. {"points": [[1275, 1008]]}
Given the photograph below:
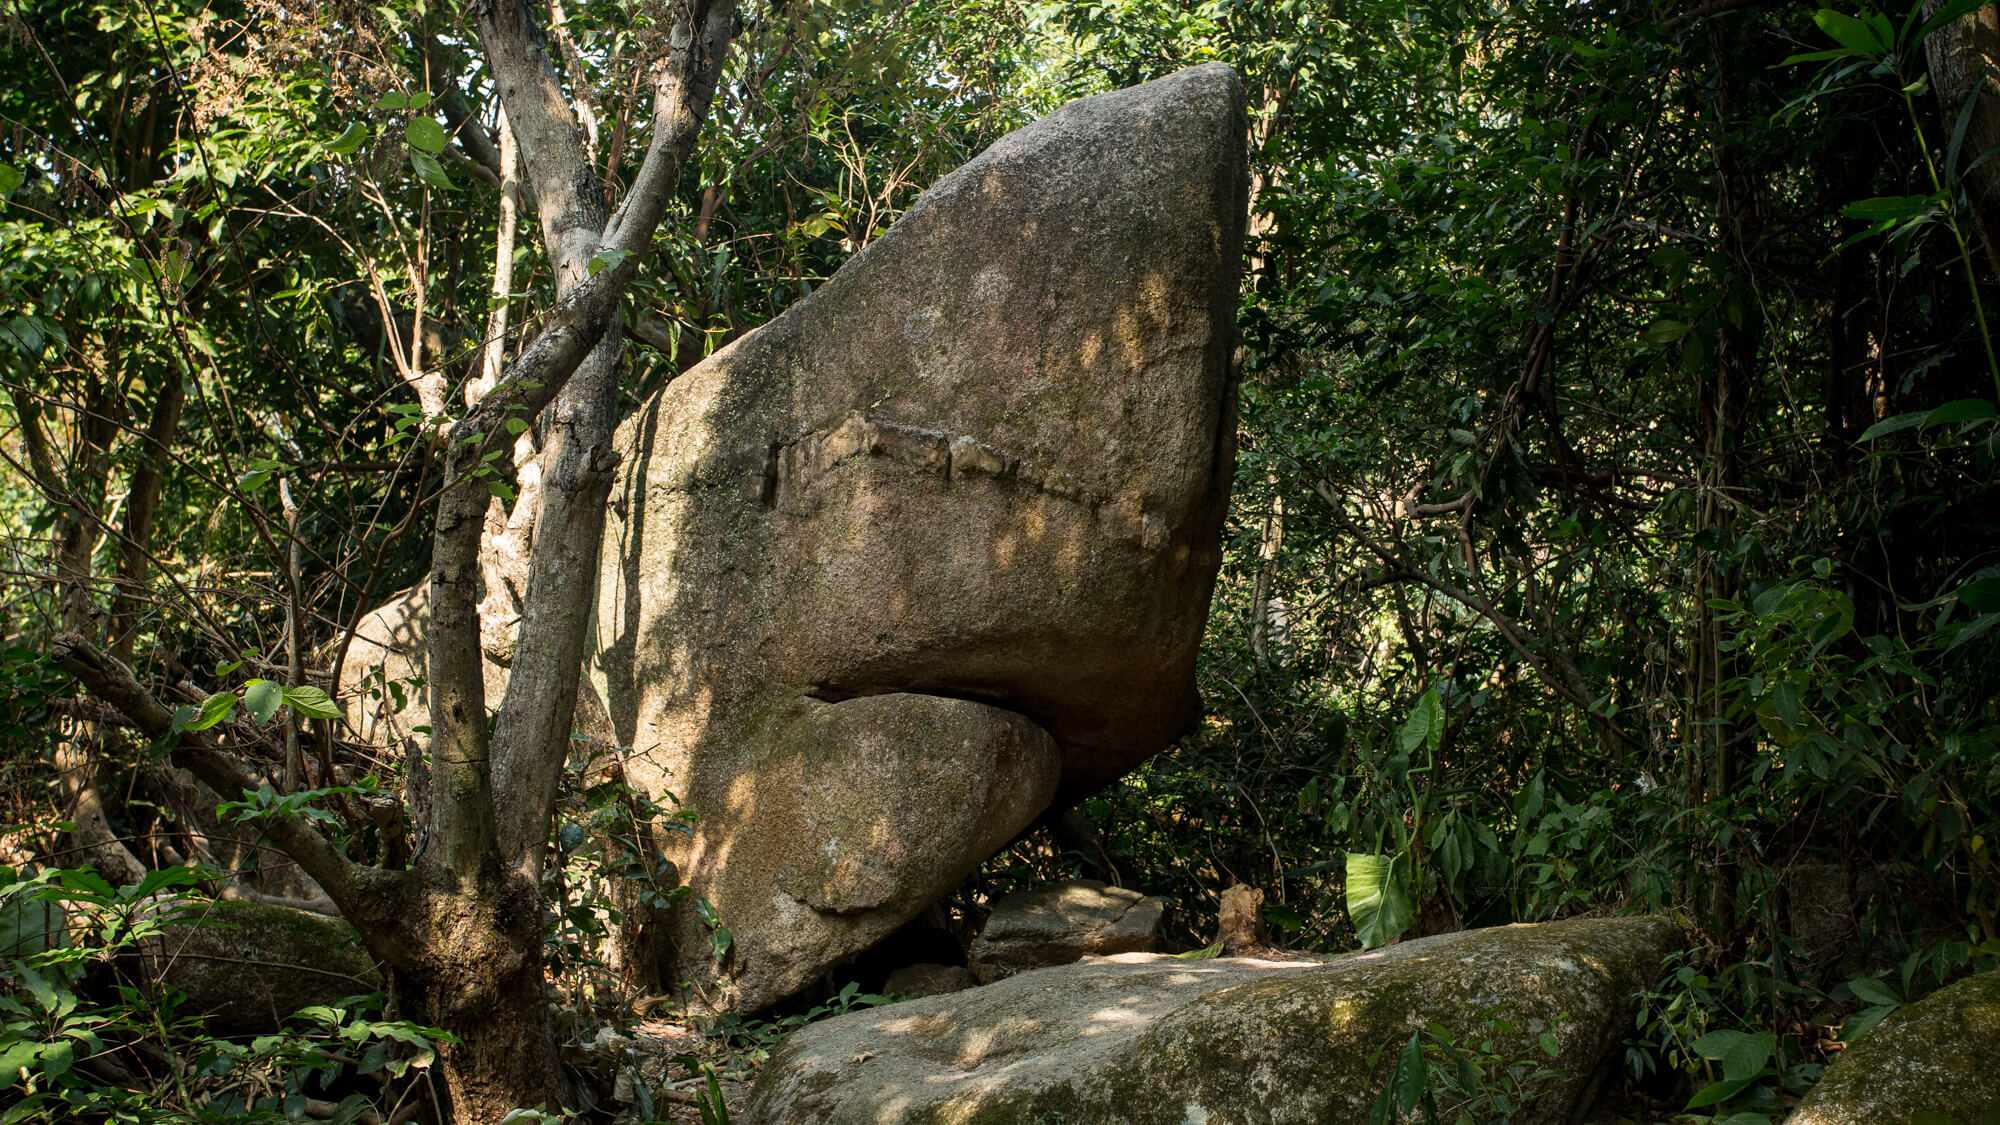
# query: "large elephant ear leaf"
{"points": [[1379, 900]]}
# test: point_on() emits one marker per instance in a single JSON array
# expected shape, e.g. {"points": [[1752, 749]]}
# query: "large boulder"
{"points": [[1145, 1039], [1064, 922], [885, 576], [1937, 1059]]}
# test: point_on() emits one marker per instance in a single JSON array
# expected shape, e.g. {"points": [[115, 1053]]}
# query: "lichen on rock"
{"points": [[1148, 1039], [1938, 1057]]}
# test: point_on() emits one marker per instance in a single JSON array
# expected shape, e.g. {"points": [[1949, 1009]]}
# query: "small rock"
{"points": [[928, 980], [1057, 924]]}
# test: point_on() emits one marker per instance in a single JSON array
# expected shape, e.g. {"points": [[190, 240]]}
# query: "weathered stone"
{"points": [[248, 965], [970, 490], [1058, 924], [1144, 1039], [928, 980], [1938, 1056]]}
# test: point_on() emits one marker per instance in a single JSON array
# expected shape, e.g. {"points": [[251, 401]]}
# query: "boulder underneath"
{"points": [[1936, 1059], [1147, 1039], [1058, 924]]}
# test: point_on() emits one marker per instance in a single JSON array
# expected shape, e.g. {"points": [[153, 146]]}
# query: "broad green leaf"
{"points": [[1945, 15], [1818, 56], [1855, 35], [392, 100], [1982, 596], [1719, 1091], [1412, 1075], [213, 710], [425, 135], [1861, 1022], [1425, 726], [1888, 208], [10, 178], [253, 480], [262, 698], [1891, 425], [1378, 898], [1872, 991], [350, 140], [1964, 410], [1663, 332], [607, 259], [312, 703], [430, 171]]}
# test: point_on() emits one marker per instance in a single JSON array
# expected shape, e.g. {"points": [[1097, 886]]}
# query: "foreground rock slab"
{"points": [[1936, 1059], [1065, 922], [1155, 1040], [960, 506], [248, 965]]}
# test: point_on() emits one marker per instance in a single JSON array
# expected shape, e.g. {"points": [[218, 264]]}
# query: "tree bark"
{"points": [[1964, 58]]}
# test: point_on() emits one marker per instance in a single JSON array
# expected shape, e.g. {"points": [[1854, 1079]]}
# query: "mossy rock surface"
{"points": [[1147, 1039], [1937, 1059], [247, 965]]}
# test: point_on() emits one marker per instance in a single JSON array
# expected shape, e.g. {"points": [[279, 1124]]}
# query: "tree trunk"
{"points": [[1964, 58], [473, 966]]}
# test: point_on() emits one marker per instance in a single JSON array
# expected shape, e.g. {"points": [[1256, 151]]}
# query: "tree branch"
{"points": [[112, 682]]}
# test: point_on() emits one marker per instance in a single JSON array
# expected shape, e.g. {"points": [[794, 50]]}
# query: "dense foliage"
{"points": [[1616, 521]]}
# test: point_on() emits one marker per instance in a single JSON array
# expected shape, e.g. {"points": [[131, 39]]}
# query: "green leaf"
{"points": [[1817, 56], [1425, 725], [430, 171], [517, 426], [1663, 332], [1982, 596], [1863, 1021], [425, 135], [1889, 208], [350, 140], [10, 178], [607, 259], [1964, 410], [312, 703], [1872, 991], [1378, 898], [1412, 1075], [1853, 34], [1945, 15], [1718, 1091], [253, 480], [262, 698], [719, 941], [1891, 425], [392, 100], [213, 710], [500, 489]]}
